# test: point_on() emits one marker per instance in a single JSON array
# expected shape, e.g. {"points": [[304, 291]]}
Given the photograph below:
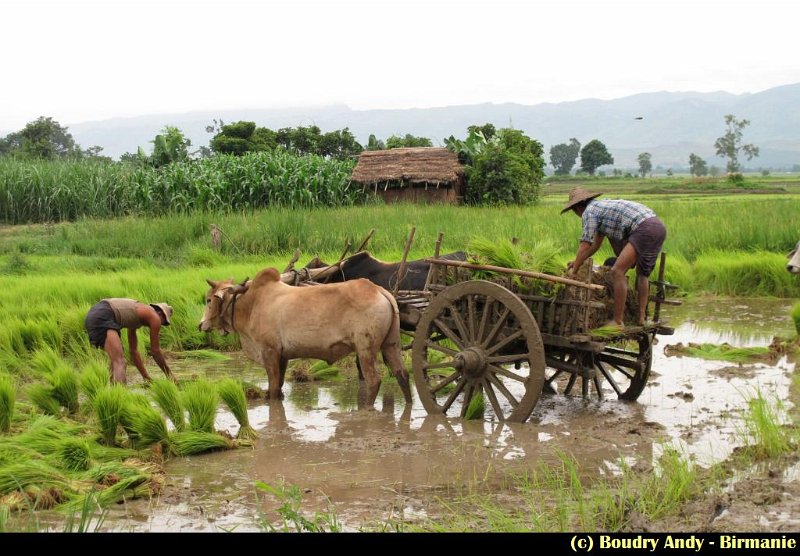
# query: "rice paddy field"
{"points": [[72, 443]]}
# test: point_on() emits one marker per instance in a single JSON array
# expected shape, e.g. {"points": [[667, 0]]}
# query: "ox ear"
{"points": [[791, 253], [212, 283]]}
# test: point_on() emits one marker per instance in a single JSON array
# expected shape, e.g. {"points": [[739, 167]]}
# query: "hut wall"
{"points": [[442, 194]]}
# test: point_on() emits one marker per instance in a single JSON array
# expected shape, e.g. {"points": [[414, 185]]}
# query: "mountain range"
{"points": [[669, 125]]}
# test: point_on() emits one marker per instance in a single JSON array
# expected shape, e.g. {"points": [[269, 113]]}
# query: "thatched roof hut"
{"points": [[429, 174]]}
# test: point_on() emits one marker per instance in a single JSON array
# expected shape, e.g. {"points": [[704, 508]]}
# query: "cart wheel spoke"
{"points": [[444, 382], [609, 378], [504, 342], [490, 393], [505, 372], [467, 398], [498, 325], [454, 394], [503, 390]]}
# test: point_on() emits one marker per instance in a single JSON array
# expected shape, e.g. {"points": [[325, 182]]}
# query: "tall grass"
{"points": [[42, 191]]}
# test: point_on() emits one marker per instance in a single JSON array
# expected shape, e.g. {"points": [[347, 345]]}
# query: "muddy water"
{"points": [[378, 466]]}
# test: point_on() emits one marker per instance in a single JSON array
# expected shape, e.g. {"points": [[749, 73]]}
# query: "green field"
{"points": [[729, 244]]}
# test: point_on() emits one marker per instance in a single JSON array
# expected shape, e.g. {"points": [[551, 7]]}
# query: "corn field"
{"points": [[41, 191]]}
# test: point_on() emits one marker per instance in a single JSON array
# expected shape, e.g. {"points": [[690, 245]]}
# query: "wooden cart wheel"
{"points": [[625, 366], [478, 337], [622, 368]]}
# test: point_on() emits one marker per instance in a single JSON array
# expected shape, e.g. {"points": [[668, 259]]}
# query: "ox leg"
{"points": [[394, 360], [371, 377], [272, 363], [283, 365], [358, 366]]}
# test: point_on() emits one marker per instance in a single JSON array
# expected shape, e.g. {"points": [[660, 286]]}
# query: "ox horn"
{"points": [[239, 288], [212, 283]]}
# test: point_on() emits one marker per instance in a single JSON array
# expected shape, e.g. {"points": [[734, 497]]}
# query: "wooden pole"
{"points": [[433, 268], [366, 240], [527, 273], [401, 272]]}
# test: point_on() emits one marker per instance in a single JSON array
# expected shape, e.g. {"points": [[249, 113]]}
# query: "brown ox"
{"points": [[278, 322]]}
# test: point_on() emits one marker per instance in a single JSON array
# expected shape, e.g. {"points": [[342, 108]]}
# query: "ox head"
{"points": [[219, 308], [793, 265]]}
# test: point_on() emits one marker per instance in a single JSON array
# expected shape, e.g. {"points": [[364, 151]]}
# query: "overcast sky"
{"points": [[91, 60]]}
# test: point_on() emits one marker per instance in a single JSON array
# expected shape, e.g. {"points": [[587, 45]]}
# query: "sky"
{"points": [[94, 60]]}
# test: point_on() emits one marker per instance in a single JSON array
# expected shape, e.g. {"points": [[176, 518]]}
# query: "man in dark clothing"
{"points": [[108, 317], [636, 235]]}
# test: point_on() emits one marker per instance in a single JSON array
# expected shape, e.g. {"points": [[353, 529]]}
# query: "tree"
{"points": [[339, 144], [593, 155], [375, 144], [242, 137], [730, 145], [697, 166], [43, 138], [396, 142], [563, 156], [645, 164], [508, 170], [488, 130], [168, 146]]}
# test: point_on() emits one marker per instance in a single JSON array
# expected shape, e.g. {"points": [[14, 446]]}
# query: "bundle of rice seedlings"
{"points": [[93, 378], [544, 256], [721, 352], [7, 399], [45, 433], [606, 331], [495, 253], [74, 455], [42, 397], [187, 443], [149, 425], [168, 398], [109, 404], [208, 354], [321, 370], [200, 400], [20, 475], [133, 403], [476, 407], [232, 393], [64, 387], [46, 360], [103, 453]]}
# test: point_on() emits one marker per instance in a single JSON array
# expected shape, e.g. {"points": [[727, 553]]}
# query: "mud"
{"points": [[373, 468]]}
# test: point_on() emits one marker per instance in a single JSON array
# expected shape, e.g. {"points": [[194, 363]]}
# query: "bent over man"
{"points": [[636, 235], [108, 317]]}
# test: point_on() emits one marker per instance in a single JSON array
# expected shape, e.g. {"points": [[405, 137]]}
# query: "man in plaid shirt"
{"points": [[636, 234]]}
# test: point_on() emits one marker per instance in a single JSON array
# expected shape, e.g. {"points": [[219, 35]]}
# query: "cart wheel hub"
{"points": [[471, 361]]}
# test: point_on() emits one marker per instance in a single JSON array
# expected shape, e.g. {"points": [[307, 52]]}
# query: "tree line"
{"points": [[594, 154]]}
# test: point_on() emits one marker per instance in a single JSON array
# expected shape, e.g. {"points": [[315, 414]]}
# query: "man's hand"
{"points": [[571, 268]]}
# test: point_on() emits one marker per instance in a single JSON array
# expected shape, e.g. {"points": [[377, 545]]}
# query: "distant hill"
{"points": [[673, 125]]}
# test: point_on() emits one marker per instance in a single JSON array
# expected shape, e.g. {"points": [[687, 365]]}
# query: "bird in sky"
{"points": [[639, 118]]}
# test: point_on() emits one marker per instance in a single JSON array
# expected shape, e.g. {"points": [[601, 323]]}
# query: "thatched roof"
{"points": [[414, 165]]}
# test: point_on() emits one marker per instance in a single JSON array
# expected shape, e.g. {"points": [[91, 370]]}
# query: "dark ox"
{"points": [[277, 322], [793, 265], [364, 265]]}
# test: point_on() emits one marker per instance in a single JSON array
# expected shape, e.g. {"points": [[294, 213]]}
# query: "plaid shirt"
{"points": [[615, 219]]}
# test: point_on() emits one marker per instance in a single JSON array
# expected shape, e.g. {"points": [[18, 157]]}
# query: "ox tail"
{"points": [[390, 348]]}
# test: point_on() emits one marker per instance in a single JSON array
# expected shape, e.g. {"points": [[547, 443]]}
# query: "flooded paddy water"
{"points": [[373, 468]]}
